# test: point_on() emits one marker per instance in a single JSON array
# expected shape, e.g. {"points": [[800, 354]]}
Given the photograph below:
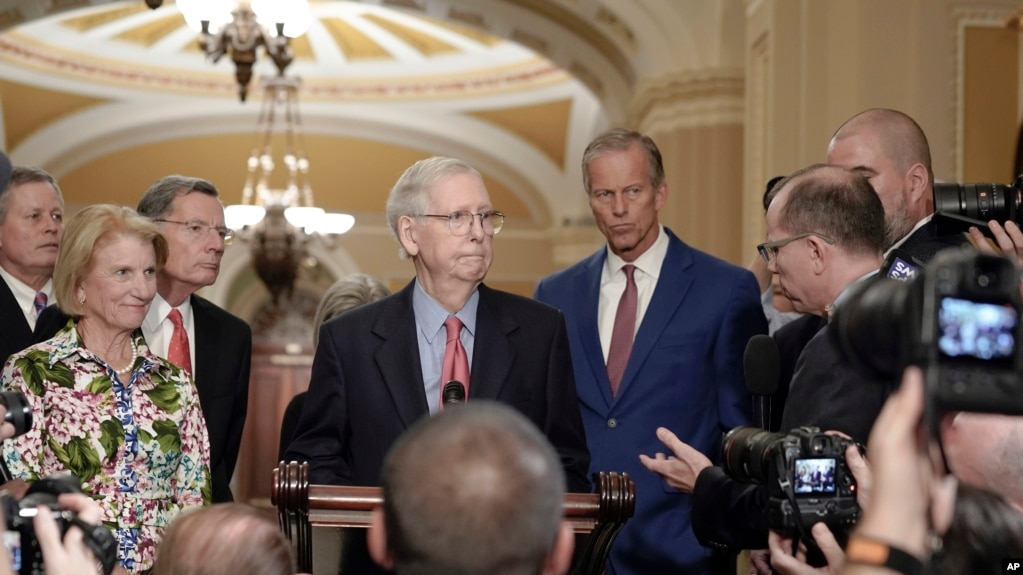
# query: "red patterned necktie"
{"points": [[39, 303], [456, 361], [178, 352], [623, 332]]}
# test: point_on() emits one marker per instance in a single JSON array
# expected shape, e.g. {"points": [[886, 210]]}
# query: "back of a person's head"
{"points": [[347, 293], [224, 539], [903, 140], [475, 490], [836, 202], [986, 529]]}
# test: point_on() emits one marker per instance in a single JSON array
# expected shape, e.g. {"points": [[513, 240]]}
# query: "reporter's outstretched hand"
{"points": [[679, 470], [785, 562]]}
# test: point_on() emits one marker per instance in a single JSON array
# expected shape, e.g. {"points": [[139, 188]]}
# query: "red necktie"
{"points": [[456, 362], [39, 302], [178, 352], [623, 332]]}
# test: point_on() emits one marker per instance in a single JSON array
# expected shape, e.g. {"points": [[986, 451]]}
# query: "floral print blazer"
{"points": [[138, 442]]}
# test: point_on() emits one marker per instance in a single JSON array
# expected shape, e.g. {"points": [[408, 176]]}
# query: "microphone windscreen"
{"points": [[899, 265], [453, 392], [761, 365]]}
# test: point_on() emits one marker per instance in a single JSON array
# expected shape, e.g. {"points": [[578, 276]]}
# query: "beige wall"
{"points": [[814, 64]]}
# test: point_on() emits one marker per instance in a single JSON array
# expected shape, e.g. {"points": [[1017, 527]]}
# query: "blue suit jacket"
{"points": [[684, 373]]}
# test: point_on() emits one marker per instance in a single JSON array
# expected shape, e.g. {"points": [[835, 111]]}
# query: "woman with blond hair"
{"points": [[124, 421]]}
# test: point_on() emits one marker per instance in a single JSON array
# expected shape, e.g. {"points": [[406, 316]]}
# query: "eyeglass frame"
{"points": [[225, 233], [770, 249], [472, 218]]}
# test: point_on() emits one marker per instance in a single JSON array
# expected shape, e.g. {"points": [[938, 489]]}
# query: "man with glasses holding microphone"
{"points": [[382, 366]]}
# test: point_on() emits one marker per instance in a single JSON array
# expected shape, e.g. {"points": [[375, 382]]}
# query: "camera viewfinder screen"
{"points": [[984, 331], [814, 476]]}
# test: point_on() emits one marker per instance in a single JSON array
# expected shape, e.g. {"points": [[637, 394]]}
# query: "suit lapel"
{"points": [[587, 290], [672, 285], [493, 354], [397, 358]]}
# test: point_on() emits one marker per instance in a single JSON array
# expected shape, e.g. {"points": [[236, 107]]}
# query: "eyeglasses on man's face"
{"points": [[460, 222], [198, 229], [769, 250]]}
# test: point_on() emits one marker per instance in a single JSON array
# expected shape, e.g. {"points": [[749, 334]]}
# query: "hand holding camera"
{"points": [[67, 538]]}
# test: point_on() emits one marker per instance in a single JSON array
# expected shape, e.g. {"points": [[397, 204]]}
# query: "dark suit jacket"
{"points": [[223, 358], [15, 333], [367, 384], [684, 373], [825, 392]]}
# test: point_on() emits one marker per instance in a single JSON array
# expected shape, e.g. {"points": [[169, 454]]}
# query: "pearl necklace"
{"points": [[134, 353]]}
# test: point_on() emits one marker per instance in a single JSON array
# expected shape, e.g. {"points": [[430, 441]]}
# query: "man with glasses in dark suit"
{"points": [[382, 366]]}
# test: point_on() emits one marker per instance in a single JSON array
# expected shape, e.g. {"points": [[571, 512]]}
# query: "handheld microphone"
{"points": [[454, 392], [761, 364], [900, 265]]}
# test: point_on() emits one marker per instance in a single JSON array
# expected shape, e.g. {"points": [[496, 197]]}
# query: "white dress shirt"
{"points": [[158, 329], [612, 286]]}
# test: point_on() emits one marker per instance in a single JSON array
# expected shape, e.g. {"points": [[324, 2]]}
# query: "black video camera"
{"points": [[959, 320], [805, 472], [959, 206], [20, 538]]}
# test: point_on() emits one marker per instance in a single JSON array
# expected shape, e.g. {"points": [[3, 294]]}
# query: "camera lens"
{"points": [[978, 201], [747, 453], [19, 411]]}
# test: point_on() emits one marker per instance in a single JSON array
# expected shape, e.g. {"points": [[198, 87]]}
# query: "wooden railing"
{"points": [[301, 506]]}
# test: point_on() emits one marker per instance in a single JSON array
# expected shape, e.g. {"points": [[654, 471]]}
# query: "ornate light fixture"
{"points": [[240, 27], [279, 222]]}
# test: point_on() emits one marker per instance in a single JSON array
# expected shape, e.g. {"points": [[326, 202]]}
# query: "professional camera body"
{"points": [[20, 538], [959, 320], [805, 472]]}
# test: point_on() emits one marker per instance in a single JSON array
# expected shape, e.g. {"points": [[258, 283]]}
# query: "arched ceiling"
{"points": [[110, 95]]}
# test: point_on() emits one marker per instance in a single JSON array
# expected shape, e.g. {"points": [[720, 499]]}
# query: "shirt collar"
{"points": [[159, 309], [23, 292], [67, 343], [903, 239], [649, 262], [430, 315]]}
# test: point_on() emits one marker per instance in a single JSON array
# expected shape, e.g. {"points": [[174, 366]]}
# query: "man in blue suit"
{"points": [[680, 365]]}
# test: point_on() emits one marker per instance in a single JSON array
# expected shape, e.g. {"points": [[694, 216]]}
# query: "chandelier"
{"points": [[279, 222], [276, 222], [239, 27]]}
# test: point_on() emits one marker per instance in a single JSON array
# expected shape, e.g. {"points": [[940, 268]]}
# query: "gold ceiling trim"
{"points": [[24, 51], [355, 44], [103, 17], [473, 34], [426, 44], [575, 23], [152, 32], [302, 48]]}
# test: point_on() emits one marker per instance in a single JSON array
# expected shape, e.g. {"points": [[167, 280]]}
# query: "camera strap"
{"points": [[786, 487]]}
